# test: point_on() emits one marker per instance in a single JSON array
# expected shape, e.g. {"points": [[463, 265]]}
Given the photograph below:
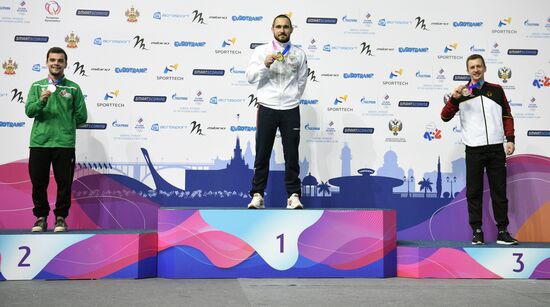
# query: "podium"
{"points": [[90, 254], [240, 243], [447, 259]]}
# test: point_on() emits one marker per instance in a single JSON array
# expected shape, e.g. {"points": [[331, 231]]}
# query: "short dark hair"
{"points": [[473, 57], [281, 16], [57, 50]]}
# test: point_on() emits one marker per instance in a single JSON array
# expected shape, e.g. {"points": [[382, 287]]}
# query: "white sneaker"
{"points": [[257, 202], [294, 202]]}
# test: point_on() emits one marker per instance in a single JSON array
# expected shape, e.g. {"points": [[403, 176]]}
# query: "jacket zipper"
{"points": [[484, 118]]}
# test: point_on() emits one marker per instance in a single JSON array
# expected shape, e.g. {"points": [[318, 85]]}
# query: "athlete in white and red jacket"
{"points": [[486, 123]]}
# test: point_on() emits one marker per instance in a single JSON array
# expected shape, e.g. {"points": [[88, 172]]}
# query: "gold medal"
{"points": [[279, 56]]}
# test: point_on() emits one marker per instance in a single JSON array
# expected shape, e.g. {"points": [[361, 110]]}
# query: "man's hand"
{"points": [[269, 60], [510, 148], [457, 92], [44, 95]]}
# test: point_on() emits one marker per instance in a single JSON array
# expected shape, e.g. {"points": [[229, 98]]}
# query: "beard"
{"points": [[282, 40]]}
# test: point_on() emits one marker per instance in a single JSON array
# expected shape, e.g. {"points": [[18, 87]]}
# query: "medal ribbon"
{"points": [[472, 86], [285, 51]]}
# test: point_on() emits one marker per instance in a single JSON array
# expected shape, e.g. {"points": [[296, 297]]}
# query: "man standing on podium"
{"points": [[486, 123], [57, 106], [279, 69]]}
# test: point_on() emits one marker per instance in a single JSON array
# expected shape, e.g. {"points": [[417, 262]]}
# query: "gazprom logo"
{"points": [[234, 70], [364, 100], [311, 128], [346, 19], [474, 49], [176, 97], [420, 74], [116, 124]]}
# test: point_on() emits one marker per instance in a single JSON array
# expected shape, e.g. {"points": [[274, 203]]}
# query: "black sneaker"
{"points": [[60, 225], [478, 237], [505, 238], [41, 225]]}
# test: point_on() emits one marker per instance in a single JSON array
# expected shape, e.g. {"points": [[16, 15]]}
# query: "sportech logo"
{"points": [[9, 67], [72, 40]]}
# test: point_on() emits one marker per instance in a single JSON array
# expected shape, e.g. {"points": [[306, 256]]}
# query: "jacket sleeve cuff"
{"points": [[511, 139]]}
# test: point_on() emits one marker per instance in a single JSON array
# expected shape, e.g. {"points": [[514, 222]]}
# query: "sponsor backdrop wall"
{"points": [[172, 118]]}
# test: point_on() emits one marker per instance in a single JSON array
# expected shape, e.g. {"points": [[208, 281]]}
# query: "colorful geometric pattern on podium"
{"points": [[77, 255], [424, 260], [276, 243]]}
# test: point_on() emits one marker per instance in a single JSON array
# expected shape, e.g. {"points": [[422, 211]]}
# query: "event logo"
{"points": [[196, 128], [322, 20], [412, 49], [441, 75], [111, 95], [450, 48], [152, 99], [189, 44], [139, 125], [253, 100], [311, 75], [395, 126], [17, 96], [396, 73], [504, 73], [53, 8], [180, 98], [365, 100], [246, 18], [116, 124], [503, 26], [523, 51], [352, 75], [467, 24], [31, 39], [347, 19], [386, 101], [432, 133], [340, 100], [197, 17], [9, 67], [132, 14], [505, 22], [422, 75], [12, 124], [541, 80], [79, 69], [527, 23], [532, 104], [311, 128], [198, 97], [229, 42], [358, 130], [139, 42], [312, 46], [474, 49], [72, 40], [495, 51], [92, 13], [365, 49], [168, 73], [309, 101], [208, 72], [130, 70], [421, 24]]}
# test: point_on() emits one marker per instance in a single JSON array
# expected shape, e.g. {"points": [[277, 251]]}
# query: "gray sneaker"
{"points": [[41, 225], [60, 225]]}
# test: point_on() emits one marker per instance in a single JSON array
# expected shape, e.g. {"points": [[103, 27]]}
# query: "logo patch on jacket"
{"points": [[489, 94], [65, 94]]}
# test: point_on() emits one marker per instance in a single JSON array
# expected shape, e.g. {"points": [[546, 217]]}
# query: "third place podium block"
{"points": [[235, 243]]}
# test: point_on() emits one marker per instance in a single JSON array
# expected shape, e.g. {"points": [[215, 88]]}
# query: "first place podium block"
{"points": [[80, 254], [237, 243]]}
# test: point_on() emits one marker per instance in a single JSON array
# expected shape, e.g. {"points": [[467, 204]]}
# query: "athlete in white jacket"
{"points": [[279, 69]]}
